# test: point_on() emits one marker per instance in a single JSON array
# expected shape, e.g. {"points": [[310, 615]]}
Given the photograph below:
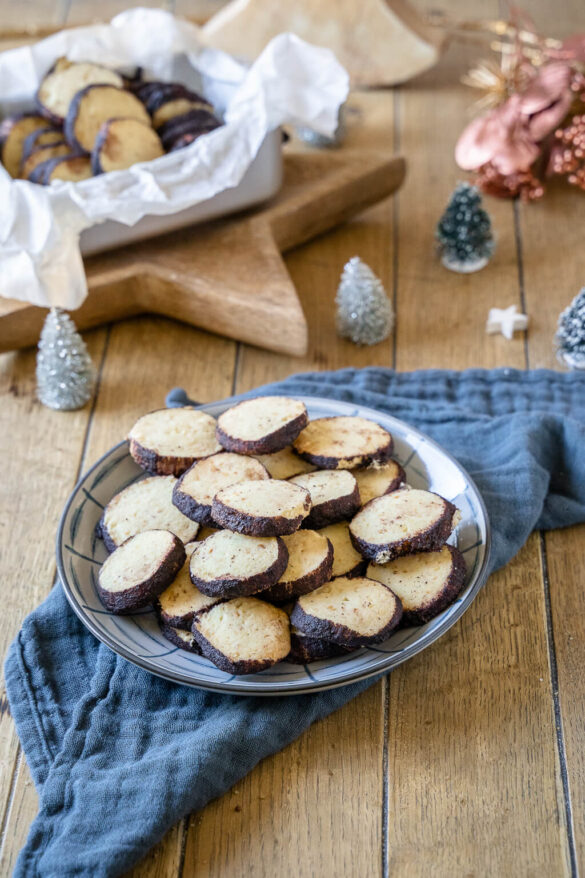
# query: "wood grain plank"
{"points": [[550, 284], [23, 19], [480, 788], [554, 269], [472, 758], [566, 573], [554, 265], [463, 744], [312, 809], [316, 267], [164, 860], [24, 423], [442, 314], [185, 275], [145, 358], [23, 808], [143, 363]]}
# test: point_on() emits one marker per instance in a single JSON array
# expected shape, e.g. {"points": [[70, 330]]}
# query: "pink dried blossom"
{"points": [[508, 138], [500, 137]]}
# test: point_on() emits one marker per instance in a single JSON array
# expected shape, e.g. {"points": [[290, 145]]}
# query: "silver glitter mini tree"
{"points": [[570, 337], [364, 311], [65, 372]]}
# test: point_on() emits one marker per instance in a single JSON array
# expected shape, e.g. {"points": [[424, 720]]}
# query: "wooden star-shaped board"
{"points": [[227, 276]]}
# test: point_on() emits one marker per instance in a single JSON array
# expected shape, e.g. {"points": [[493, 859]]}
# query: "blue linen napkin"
{"points": [[119, 756]]}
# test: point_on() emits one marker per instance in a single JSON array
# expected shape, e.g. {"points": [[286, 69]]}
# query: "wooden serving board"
{"points": [[227, 276]]}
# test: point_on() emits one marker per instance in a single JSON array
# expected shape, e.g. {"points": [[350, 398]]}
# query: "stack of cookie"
{"points": [[265, 536], [90, 119]]}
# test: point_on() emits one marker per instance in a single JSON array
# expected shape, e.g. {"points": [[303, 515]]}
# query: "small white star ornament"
{"points": [[507, 321]]}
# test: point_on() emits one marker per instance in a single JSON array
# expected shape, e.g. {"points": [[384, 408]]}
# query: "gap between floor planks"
{"points": [[552, 656]]}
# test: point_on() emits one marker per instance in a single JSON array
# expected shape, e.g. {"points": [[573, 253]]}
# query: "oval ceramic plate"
{"points": [[138, 637]]}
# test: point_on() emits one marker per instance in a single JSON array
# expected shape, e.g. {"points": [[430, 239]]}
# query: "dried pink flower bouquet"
{"points": [[535, 126]]}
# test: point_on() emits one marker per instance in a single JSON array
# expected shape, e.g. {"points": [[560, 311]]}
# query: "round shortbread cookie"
{"points": [[145, 505], [229, 564], [178, 603], [194, 492], [346, 560], [352, 612], [426, 583], [243, 636], [139, 570], [343, 443], [169, 441], [261, 508], [310, 559], [262, 425], [285, 463], [402, 523], [379, 479], [334, 496], [62, 83]]}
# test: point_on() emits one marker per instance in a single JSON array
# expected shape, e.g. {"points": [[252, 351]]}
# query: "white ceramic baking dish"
{"points": [[261, 181]]}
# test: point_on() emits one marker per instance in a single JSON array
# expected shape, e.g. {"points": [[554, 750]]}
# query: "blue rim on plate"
{"points": [[138, 638]]}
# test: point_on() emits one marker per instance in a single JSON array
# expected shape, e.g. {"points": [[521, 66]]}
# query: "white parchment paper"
{"points": [[291, 82]]}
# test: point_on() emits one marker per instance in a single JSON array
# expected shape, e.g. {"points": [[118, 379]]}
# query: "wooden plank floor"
{"points": [[468, 760]]}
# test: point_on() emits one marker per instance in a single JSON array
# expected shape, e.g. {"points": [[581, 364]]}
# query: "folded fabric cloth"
{"points": [[119, 756]]}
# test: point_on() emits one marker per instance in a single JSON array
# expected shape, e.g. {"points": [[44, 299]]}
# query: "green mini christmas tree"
{"points": [[464, 232], [65, 373], [364, 311], [570, 337]]}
